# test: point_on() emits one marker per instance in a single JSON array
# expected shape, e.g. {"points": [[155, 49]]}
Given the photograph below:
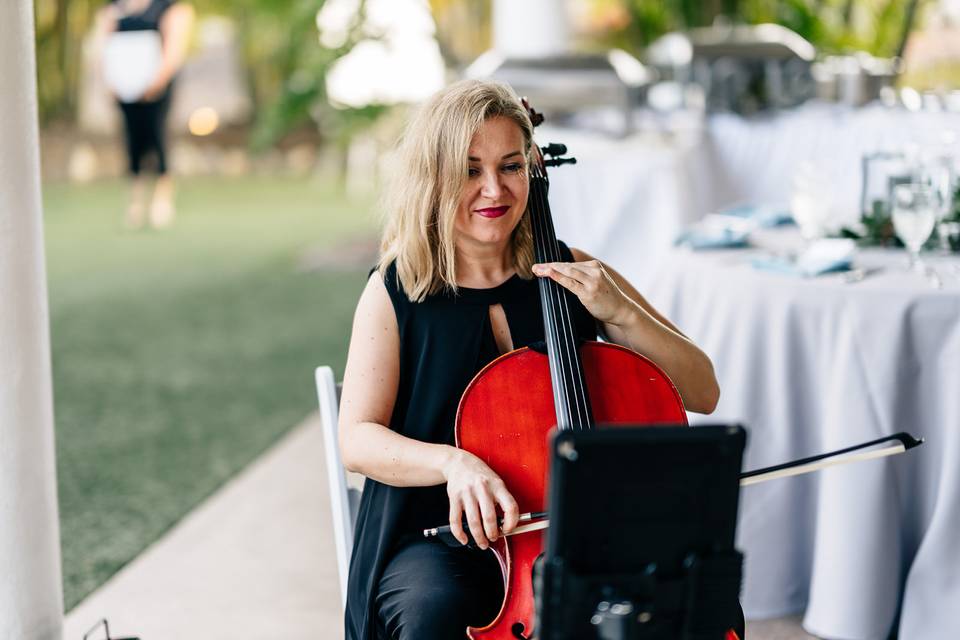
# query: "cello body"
{"points": [[505, 417]]}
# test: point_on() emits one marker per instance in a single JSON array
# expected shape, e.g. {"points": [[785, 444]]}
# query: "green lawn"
{"points": [[179, 356]]}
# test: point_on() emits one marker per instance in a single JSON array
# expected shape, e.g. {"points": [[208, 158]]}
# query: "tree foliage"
{"points": [[60, 28], [286, 65], [464, 29], [878, 27]]}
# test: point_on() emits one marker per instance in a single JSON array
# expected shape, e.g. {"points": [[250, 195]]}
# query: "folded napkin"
{"points": [[712, 237], [715, 232], [822, 256], [729, 228], [755, 216]]}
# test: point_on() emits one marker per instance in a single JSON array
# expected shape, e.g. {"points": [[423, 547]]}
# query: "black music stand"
{"points": [[641, 537]]}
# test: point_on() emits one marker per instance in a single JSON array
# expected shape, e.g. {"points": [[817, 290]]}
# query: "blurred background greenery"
{"points": [[285, 66]]}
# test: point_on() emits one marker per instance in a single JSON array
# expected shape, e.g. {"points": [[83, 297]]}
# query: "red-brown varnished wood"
{"points": [[505, 417]]}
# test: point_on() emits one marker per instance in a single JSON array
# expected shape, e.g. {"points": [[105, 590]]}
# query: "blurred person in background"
{"points": [[455, 288], [140, 68]]}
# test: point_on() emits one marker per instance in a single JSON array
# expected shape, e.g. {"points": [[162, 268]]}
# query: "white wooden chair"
{"points": [[344, 498]]}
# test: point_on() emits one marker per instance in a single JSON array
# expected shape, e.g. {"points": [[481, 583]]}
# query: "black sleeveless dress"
{"points": [[444, 341], [146, 20]]}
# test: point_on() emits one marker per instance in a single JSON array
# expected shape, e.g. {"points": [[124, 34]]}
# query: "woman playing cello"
{"points": [[455, 288]]}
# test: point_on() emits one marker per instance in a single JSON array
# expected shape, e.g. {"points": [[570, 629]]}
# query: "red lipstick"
{"points": [[492, 212]]}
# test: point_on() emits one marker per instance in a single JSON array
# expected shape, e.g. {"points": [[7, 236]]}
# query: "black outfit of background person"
{"points": [[402, 587], [145, 122]]}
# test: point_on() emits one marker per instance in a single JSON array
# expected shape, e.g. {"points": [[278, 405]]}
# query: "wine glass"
{"points": [[915, 209]]}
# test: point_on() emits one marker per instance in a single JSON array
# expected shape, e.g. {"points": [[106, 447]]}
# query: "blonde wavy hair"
{"points": [[421, 199]]}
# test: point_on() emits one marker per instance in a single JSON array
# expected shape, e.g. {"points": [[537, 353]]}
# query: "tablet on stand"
{"points": [[641, 537]]}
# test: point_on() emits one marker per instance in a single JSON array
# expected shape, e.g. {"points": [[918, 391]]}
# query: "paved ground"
{"points": [[255, 561]]}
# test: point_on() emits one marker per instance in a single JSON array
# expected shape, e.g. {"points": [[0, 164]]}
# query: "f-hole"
{"points": [[500, 328]]}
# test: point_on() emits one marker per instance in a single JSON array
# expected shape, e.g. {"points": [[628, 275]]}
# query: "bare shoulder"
{"points": [[371, 376], [375, 301], [375, 331], [107, 17], [178, 13], [181, 8]]}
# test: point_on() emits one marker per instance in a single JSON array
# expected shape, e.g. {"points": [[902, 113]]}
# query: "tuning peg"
{"points": [[536, 118], [554, 149], [556, 162]]}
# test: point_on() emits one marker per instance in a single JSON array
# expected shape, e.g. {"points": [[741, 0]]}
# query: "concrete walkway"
{"points": [[254, 561]]}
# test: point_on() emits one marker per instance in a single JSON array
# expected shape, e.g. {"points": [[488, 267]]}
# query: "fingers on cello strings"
{"points": [[561, 274]]}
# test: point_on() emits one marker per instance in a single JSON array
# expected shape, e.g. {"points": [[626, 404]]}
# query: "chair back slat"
{"points": [[344, 500]]}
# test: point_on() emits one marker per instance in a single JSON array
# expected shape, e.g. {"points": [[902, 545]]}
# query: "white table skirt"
{"points": [[814, 365]]}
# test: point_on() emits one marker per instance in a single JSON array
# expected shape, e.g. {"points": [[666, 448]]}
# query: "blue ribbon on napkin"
{"points": [[713, 238], [763, 216], [730, 228]]}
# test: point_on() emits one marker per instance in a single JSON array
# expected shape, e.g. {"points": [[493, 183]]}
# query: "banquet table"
{"points": [[626, 200], [815, 364]]}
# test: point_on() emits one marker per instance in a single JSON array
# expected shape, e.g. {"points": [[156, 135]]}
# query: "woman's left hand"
{"points": [[590, 282]]}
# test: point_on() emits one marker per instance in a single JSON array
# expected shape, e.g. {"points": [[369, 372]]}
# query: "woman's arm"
{"points": [[629, 320], [175, 26], [370, 382], [370, 447], [104, 25]]}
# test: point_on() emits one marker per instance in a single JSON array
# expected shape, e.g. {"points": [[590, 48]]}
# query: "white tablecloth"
{"points": [[815, 365]]}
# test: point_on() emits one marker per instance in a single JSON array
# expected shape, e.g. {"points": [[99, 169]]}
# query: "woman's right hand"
{"points": [[475, 490]]}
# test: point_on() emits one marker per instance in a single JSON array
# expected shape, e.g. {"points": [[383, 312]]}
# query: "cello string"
{"points": [[558, 297], [534, 219], [570, 338], [576, 367], [561, 393], [577, 363], [570, 347], [566, 332]]}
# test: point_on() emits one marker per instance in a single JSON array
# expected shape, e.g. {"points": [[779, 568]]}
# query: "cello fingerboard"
{"points": [[566, 367]]}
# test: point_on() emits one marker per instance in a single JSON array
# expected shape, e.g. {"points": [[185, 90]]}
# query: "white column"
{"points": [[530, 28], [31, 599]]}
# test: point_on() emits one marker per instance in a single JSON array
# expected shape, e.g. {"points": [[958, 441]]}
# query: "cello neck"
{"points": [[570, 397]]}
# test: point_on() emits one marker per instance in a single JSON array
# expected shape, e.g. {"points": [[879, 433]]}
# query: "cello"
{"points": [[508, 409]]}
